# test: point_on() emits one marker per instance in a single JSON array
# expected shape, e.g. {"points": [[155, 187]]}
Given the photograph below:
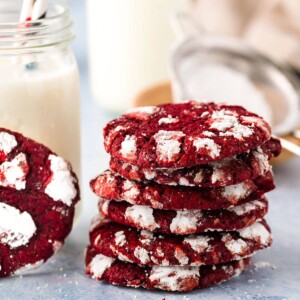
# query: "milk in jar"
{"points": [[39, 81]]}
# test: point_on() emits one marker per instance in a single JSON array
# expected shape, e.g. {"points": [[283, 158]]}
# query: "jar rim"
{"points": [[55, 29]]}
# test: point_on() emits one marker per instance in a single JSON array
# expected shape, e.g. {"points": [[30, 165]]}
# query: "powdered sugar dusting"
{"points": [[99, 264], [257, 231], [120, 238], [198, 243], [149, 174], [142, 113], [228, 124], [142, 216], [7, 142], [236, 192], [181, 257], [146, 237], [262, 160], [167, 120], [213, 150], [247, 207], [168, 144], [185, 221], [16, 227], [131, 190], [62, 184], [184, 181], [128, 147], [104, 206], [236, 247], [142, 255], [13, 173], [172, 278]]}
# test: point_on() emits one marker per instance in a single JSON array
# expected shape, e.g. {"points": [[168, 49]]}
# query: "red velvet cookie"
{"points": [[184, 221], [184, 134], [32, 228], [229, 171], [38, 193], [111, 186], [181, 279], [27, 165], [145, 248]]}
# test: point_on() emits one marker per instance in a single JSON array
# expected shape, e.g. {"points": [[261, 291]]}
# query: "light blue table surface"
{"points": [[277, 272]]}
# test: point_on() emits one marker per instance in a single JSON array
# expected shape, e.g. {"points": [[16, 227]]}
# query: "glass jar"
{"points": [[39, 81]]}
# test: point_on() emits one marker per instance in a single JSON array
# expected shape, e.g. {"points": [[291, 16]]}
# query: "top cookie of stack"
{"points": [[191, 177], [183, 135]]}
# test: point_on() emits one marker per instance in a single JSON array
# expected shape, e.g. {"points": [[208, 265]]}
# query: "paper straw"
{"points": [[39, 9], [33, 10], [26, 10]]}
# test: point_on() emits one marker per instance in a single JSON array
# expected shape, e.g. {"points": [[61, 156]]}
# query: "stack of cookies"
{"points": [[182, 206]]}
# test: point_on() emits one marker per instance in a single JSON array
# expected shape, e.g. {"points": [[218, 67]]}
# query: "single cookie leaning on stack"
{"points": [[183, 203], [38, 193]]}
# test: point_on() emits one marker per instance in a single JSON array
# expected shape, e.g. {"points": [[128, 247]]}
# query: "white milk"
{"points": [[43, 104], [129, 43]]}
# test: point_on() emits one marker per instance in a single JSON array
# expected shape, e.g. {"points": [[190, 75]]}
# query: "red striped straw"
{"points": [[33, 10]]}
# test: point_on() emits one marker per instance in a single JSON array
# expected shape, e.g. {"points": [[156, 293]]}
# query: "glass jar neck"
{"points": [[33, 36]]}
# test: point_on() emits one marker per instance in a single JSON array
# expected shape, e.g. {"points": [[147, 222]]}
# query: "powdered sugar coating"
{"points": [[16, 227], [185, 222], [143, 216], [197, 243], [131, 190], [120, 238], [172, 278], [168, 120], [181, 257], [7, 142], [128, 146], [142, 255], [237, 191], [167, 144], [142, 113], [247, 207], [256, 232], [62, 184], [237, 247], [13, 173], [100, 264], [206, 144], [229, 125]]}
